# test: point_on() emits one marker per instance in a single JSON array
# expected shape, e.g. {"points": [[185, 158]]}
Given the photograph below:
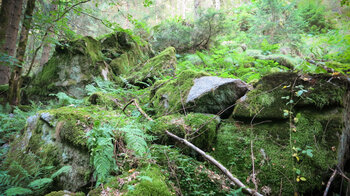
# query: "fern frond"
{"points": [[135, 138], [100, 143], [40, 183], [63, 169], [18, 191]]}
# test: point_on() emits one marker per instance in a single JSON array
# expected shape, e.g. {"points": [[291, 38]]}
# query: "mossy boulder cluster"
{"points": [[76, 63], [291, 128]]}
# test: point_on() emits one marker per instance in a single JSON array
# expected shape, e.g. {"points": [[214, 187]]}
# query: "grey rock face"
{"points": [[211, 94]]}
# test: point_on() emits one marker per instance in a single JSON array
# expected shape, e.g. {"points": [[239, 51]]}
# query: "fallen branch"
{"points": [[223, 169], [330, 182], [216, 163]]}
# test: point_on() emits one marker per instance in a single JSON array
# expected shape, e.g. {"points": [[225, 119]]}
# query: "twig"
{"points": [[69, 9], [252, 156], [330, 182], [138, 108]]}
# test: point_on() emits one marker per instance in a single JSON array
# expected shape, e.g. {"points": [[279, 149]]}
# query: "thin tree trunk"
{"points": [[10, 17], [16, 80]]}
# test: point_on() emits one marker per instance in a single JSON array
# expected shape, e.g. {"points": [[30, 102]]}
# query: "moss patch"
{"points": [[157, 67], [269, 98], [274, 161], [198, 128], [151, 183], [169, 95]]}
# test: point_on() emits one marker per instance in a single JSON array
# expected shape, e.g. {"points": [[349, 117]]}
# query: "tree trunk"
{"points": [[9, 19], [15, 81]]}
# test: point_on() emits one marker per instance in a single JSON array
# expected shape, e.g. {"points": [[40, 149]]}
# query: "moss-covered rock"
{"points": [[149, 181], [196, 92], [164, 64], [168, 96], [200, 129], [72, 66], [76, 63], [284, 153], [188, 176], [123, 53], [55, 138], [272, 95]]}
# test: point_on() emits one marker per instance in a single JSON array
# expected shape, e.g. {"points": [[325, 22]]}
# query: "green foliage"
{"points": [[28, 179], [268, 48], [18, 191], [185, 35], [40, 183], [227, 63], [277, 21], [13, 123], [313, 14], [135, 138], [187, 174], [100, 143], [65, 100]]}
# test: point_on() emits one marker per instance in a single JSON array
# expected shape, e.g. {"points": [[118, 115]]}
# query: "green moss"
{"points": [[102, 99], [93, 49], [43, 84], [269, 98], [168, 97], [187, 174], [152, 183], [274, 161], [198, 128], [121, 65], [162, 65]]}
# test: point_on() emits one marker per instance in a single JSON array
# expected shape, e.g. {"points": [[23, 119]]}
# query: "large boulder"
{"points": [[299, 153], [200, 129], [76, 63], [56, 138], [211, 94], [164, 64], [196, 92], [274, 95], [123, 53]]}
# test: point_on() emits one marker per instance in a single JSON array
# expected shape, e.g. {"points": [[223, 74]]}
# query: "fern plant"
{"points": [[135, 138], [25, 183], [100, 143]]}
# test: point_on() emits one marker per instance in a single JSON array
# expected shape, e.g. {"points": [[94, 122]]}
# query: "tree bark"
{"points": [[15, 81], [9, 19]]}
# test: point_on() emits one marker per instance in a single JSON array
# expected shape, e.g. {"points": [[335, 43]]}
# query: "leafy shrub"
{"points": [[187, 36], [277, 21], [313, 13]]}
